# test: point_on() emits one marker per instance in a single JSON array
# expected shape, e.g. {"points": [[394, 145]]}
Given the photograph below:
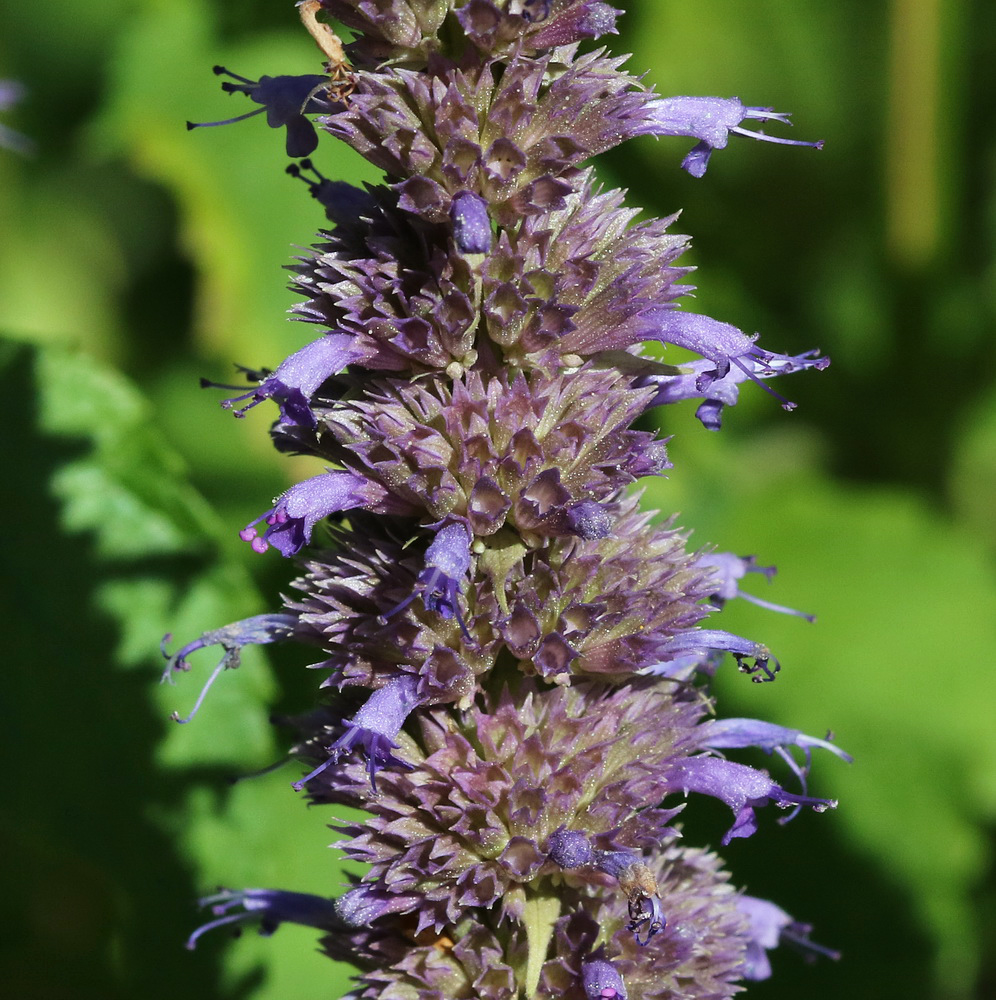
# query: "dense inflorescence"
{"points": [[510, 646]]}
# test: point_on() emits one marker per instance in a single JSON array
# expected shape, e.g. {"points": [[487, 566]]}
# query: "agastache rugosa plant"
{"points": [[514, 654]]}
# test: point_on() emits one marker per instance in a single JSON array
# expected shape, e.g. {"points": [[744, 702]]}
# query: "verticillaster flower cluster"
{"points": [[515, 656]]}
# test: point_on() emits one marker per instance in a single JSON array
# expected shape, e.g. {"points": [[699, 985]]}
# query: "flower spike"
{"points": [[476, 388]]}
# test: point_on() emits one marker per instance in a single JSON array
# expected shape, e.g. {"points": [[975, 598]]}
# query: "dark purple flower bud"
{"points": [[770, 926], [590, 520], [271, 907], [286, 100], [570, 848], [585, 19], [293, 517], [711, 120], [297, 379], [447, 562], [471, 225], [12, 92], [256, 631], [601, 980], [729, 569], [742, 788], [374, 729]]}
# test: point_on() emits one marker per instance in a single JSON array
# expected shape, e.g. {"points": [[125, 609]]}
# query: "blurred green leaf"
{"points": [[243, 216], [148, 564], [898, 665], [973, 475]]}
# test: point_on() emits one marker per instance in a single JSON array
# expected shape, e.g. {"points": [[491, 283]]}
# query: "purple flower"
{"points": [[298, 377], [286, 100], [271, 907], [702, 380], [729, 569], [471, 225], [447, 562], [374, 729], [694, 650], [742, 788], [770, 926], [291, 520], [711, 120], [601, 980], [256, 631], [728, 734], [735, 356]]}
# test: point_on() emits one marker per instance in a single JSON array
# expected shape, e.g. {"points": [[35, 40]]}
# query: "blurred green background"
{"points": [[135, 256]]}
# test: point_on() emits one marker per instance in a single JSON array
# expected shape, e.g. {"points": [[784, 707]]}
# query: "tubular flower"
{"points": [[742, 788], [298, 378], [514, 656], [256, 631], [271, 907], [374, 729], [769, 926], [292, 518], [285, 100], [711, 120], [729, 569]]}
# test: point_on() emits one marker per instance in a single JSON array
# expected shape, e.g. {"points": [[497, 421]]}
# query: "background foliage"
{"points": [[135, 256]]}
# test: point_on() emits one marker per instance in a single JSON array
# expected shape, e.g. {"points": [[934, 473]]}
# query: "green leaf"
{"points": [[540, 913], [243, 218], [113, 549], [898, 665]]}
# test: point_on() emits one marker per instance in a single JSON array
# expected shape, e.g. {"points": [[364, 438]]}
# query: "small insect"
{"points": [[342, 81]]}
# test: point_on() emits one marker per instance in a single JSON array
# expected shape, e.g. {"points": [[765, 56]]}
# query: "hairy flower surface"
{"points": [[514, 654]]}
